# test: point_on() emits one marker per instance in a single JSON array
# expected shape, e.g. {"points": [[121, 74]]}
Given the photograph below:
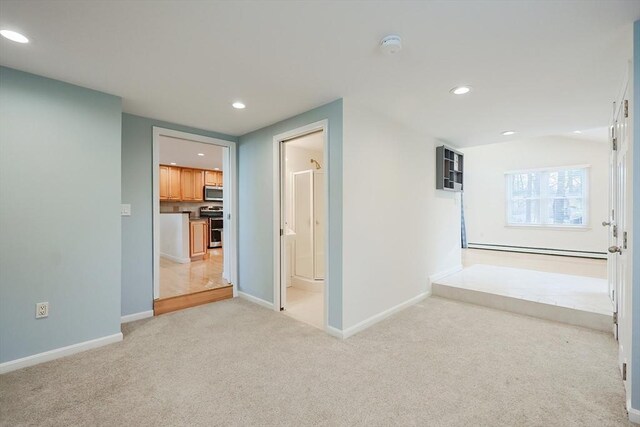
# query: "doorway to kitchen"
{"points": [[193, 220], [301, 212]]}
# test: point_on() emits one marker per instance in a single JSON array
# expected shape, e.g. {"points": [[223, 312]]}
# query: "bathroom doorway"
{"points": [[303, 226]]}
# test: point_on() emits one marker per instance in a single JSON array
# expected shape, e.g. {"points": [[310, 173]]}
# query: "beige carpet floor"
{"points": [[438, 363]]}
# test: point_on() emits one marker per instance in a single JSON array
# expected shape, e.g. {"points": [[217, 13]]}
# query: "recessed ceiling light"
{"points": [[200, 154], [508, 132], [216, 169], [577, 131], [238, 105], [13, 36], [460, 90], [173, 163]]}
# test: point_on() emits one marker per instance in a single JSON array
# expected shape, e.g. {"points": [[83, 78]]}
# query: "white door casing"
{"points": [[229, 202], [279, 272]]}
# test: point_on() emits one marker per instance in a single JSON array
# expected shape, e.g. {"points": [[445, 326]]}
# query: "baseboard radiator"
{"points": [[541, 251]]}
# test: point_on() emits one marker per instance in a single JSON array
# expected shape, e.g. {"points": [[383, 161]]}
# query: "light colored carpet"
{"points": [[439, 363]]}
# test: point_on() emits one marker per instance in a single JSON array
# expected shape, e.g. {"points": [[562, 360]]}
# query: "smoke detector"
{"points": [[391, 45]]}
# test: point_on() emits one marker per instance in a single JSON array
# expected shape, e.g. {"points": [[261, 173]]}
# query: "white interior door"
{"points": [[620, 247], [303, 223], [319, 221], [611, 221], [621, 224]]}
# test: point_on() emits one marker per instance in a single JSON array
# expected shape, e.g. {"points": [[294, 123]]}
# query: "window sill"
{"points": [[551, 227]]}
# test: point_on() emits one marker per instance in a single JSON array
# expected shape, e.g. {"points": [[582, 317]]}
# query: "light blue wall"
{"points": [[59, 213], [255, 202], [137, 229], [635, 318]]}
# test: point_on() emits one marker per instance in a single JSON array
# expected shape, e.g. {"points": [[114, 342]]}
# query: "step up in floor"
{"points": [[572, 316], [167, 305]]}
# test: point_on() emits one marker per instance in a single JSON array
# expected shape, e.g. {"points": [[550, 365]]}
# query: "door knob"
{"points": [[606, 223], [615, 249]]}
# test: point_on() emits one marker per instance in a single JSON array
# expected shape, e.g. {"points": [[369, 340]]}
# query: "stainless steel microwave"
{"points": [[213, 194]]}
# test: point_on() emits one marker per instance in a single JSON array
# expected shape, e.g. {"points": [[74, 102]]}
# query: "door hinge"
{"points": [[615, 230], [624, 240], [615, 317], [614, 144], [626, 108], [281, 232], [228, 216], [624, 371]]}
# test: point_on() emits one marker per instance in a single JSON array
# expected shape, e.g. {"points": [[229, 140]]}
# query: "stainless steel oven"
{"points": [[215, 215], [215, 231]]}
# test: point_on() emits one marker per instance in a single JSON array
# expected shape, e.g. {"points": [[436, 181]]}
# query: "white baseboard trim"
{"points": [[445, 273], [57, 353], [176, 259], [346, 333], [256, 300], [334, 332], [634, 414], [136, 316]]}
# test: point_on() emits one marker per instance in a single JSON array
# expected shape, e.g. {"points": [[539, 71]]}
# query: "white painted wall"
{"points": [[397, 228], [174, 237], [485, 199]]}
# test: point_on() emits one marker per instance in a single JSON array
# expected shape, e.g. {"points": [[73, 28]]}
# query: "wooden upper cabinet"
{"points": [[198, 184], [170, 182], [164, 182], [191, 183], [174, 184], [186, 183], [213, 178], [210, 178]]}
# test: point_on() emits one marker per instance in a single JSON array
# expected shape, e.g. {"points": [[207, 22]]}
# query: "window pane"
{"points": [[569, 211], [566, 183], [525, 185], [524, 211]]}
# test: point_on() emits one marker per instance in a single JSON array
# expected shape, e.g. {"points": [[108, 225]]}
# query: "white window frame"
{"points": [[585, 198]]}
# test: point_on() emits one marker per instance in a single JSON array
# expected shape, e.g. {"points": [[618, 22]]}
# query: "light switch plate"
{"points": [[125, 210]]}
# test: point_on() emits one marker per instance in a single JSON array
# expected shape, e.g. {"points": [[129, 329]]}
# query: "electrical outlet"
{"points": [[125, 209], [42, 310]]}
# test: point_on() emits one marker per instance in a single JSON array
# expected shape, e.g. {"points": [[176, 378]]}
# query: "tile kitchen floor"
{"points": [[181, 279]]}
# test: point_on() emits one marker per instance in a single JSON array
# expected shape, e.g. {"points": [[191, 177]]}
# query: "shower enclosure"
{"points": [[308, 224]]}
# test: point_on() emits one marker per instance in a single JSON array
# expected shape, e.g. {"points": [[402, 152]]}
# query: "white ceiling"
{"points": [[536, 67], [185, 153]]}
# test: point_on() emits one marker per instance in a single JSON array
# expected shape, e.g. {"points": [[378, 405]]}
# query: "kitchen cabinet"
{"points": [[191, 183], [198, 185], [164, 182], [213, 178], [186, 184], [169, 183], [198, 238]]}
